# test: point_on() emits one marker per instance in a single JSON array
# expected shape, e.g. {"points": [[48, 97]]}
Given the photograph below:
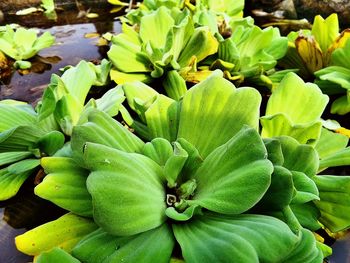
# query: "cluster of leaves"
{"points": [[196, 175], [323, 53], [22, 44], [235, 45]]}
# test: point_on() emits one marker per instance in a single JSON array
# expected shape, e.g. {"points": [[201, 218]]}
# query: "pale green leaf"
{"points": [[231, 171], [103, 129], [155, 245], [334, 201], [330, 143], [280, 124], [65, 232], [10, 157], [65, 185], [56, 255], [244, 238], [214, 110], [10, 183], [155, 27], [301, 102], [127, 190], [325, 31]]}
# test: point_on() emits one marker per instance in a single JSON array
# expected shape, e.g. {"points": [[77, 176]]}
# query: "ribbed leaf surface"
{"points": [[127, 190], [235, 176], [153, 246], [214, 110], [241, 239]]}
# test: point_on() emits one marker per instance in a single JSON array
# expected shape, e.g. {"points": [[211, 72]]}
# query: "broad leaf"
{"points": [[301, 103], [325, 31], [104, 130], [244, 238], [127, 190], [306, 249], [231, 171], [65, 185], [155, 245], [334, 201], [65, 232], [56, 255], [330, 143], [14, 113], [214, 110]]}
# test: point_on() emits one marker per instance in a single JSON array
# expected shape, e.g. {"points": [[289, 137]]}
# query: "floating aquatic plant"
{"points": [[165, 42], [189, 184], [22, 44]]}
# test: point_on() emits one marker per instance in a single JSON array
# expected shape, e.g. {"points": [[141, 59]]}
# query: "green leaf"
{"points": [[214, 110], [306, 250], [274, 151], [155, 245], [154, 27], [44, 41], [174, 164], [11, 157], [23, 166], [325, 31], [127, 57], [307, 214], [65, 232], [230, 172], [14, 113], [334, 201], [301, 102], [138, 93], [341, 106], [340, 158], [159, 150], [65, 185], [102, 129], [127, 190], [335, 74], [162, 118], [21, 64], [280, 191], [174, 85], [330, 143], [51, 142], [110, 102], [20, 138], [56, 255], [340, 56], [10, 183], [280, 124], [209, 46], [244, 238], [78, 81], [306, 188], [299, 157], [172, 213]]}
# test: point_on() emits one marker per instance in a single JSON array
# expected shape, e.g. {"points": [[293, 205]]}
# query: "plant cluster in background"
{"points": [[181, 162]]}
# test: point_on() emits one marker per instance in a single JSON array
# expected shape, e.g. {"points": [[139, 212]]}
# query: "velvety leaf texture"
{"points": [[242, 238], [127, 190]]}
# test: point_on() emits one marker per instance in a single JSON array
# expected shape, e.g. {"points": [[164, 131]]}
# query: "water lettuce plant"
{"points": [[22, 44], [165, 41], [214, 191], [27, 134]]}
